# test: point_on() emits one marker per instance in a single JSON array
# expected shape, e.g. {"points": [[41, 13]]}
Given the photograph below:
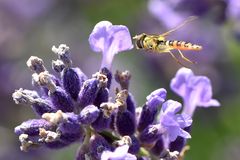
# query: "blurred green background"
{"points": [[30, 27]]}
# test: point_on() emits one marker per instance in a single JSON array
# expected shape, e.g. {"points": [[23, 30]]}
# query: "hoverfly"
{"points": [[159, 44]]}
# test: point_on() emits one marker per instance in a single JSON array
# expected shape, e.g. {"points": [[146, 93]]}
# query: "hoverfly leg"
{"points": [[185, 58], [176, 59]]}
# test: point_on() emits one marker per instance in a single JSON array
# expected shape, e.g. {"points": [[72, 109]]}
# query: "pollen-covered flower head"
{"points": [[110, 40]]}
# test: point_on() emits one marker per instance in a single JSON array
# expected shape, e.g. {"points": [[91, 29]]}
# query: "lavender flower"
{"points": [[171, 123], [74, 108], [194, 90], [110, 40]]}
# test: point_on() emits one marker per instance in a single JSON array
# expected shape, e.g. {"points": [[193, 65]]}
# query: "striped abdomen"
{"points": [[182, 45]]}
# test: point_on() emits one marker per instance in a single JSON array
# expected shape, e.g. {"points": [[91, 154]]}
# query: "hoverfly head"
{"points": [[139, 40]]}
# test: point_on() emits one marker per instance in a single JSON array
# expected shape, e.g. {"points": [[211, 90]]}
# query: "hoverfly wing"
{"points": [[189, 19]]}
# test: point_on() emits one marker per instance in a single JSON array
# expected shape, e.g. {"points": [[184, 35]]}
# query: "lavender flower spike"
{"points": [[120, 153], [195, 90], [110, 40]]}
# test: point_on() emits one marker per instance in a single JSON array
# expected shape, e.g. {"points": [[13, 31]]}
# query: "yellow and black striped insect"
{"points": [[159, 44]]}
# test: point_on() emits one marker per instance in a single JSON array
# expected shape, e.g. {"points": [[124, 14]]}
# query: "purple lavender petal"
{"points": [[184, 120], [120, 153], [195, 90], [171, 107], [157, 97], [110, 40], [99, 36], [171, 123]]}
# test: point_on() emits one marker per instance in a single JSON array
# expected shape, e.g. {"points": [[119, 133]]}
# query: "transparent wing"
{"points": [[189, 19]]}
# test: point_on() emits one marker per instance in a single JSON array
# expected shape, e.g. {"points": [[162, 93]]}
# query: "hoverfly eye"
{"points": [[139, 44]]}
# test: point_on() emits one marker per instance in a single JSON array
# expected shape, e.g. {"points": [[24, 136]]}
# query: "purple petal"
{"points": [[195, 90], [184, 134], [184, 120], [156, 97], [171, 107], [110, 40], [173, 133], [171, 123], [212, 102], [99, 36], [121, 39], [179, 82], [120, 153], [168, 121]]}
